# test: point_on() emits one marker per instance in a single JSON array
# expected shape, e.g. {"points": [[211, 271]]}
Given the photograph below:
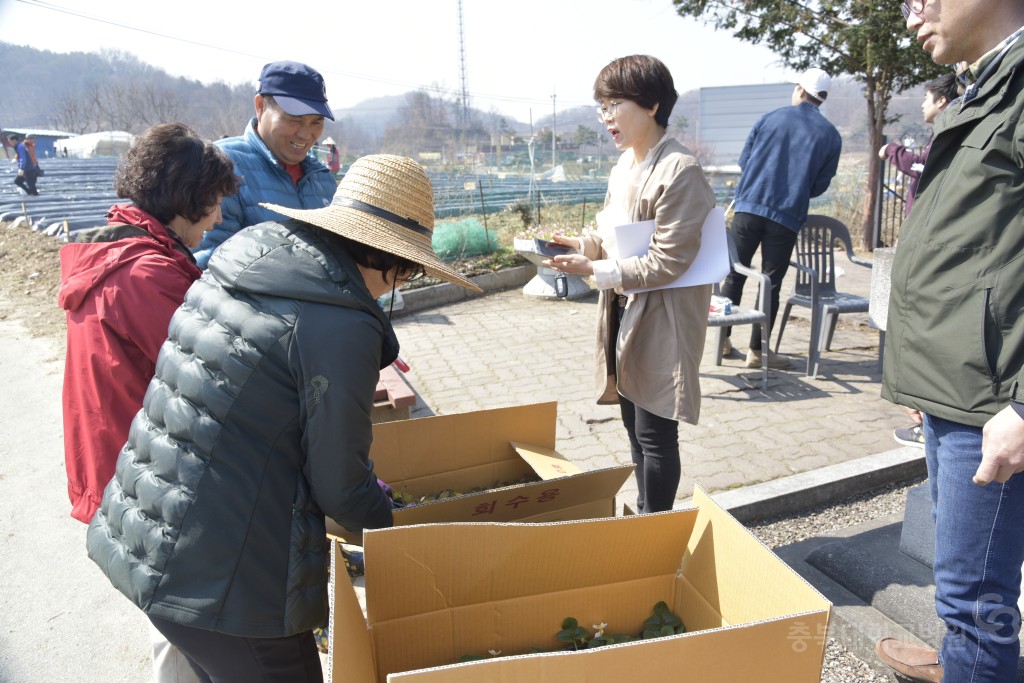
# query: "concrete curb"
{"points": [[447, 293], [800, 492], [854, 623]]}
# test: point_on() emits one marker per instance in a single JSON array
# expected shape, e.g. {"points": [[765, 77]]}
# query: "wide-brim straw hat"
{"points": [[387, 202]]}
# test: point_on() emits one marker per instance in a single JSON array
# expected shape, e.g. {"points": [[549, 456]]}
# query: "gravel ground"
{"points": [[840, 666]]}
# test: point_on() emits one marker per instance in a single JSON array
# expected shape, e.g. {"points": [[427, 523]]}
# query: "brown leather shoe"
{"points": [[915, 662], [776, 361]]}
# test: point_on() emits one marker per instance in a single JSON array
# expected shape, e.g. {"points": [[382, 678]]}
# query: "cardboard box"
{"points": [[436, 593], [468, 450]]}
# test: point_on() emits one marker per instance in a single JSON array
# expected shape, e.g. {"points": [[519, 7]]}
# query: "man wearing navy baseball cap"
{"points": [[272, 155], [298, 89]]}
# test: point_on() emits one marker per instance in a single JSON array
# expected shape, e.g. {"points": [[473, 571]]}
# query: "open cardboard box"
{"points": [[436, 593], [427, 455]]}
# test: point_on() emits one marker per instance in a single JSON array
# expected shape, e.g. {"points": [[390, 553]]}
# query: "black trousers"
{"points": [[236, 659], [749, 232], [27, 182], [654, 445]]}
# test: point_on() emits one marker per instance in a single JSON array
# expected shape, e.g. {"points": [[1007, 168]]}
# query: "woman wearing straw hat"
{"points": [[257, 425]]}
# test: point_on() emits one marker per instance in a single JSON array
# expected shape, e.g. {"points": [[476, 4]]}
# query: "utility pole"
{"points": [[554, 136]]}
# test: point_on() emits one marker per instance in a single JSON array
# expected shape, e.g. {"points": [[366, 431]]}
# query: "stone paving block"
{"points": [[805, 463], [507, 349]]}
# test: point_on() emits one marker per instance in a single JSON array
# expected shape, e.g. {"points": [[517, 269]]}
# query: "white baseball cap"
{"points": [[816, 83]]}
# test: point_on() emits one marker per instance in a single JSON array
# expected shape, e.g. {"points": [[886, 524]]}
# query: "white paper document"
{"points": [[711, 264]]}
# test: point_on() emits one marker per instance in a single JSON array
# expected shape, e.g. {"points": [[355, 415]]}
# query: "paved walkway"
{"points": [[62, 621], [508, 349]]}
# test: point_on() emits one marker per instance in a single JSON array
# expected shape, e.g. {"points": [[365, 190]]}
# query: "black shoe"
{"points": [[909, 436]]}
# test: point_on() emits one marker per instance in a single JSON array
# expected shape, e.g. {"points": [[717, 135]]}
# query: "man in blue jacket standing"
{"points": [[790, 155], [272, 155]]}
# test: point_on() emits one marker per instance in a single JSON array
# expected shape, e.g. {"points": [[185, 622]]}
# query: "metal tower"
{"points": [[464, 93]]}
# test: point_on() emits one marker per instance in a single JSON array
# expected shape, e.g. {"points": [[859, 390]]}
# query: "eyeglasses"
{"points": [[410, 271], [912, 7], [605, 113]]}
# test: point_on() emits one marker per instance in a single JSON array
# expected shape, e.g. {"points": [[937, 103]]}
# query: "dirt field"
{"points": [[29, 280]]}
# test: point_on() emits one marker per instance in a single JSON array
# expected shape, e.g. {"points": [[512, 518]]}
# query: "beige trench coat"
{"points": [[661, 339]]}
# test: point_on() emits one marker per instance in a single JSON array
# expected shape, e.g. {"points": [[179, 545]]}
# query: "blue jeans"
{"points": [[979, 550]]}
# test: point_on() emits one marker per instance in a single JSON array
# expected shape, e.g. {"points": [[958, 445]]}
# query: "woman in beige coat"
{"points": [[649, 343]]}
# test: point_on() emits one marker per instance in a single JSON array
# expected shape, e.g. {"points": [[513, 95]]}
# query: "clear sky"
{"points": [[517, 54]]}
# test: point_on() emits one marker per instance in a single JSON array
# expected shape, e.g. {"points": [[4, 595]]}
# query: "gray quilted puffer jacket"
{"points": [[255, 426]]}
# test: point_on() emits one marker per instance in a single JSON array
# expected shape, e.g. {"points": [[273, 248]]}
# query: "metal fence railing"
{"points": [[80, 191], [890, 203]]}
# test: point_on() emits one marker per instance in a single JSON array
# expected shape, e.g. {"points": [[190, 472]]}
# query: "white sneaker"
{"points": [[909, 436]]}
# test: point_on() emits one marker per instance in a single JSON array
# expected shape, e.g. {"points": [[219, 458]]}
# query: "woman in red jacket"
{"points": [[121, 283]]}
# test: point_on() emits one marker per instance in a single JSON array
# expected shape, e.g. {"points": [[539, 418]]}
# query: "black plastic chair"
{"points": [[760, 315], [816, 284]]}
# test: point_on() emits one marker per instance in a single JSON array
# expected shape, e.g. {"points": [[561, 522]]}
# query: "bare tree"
{"points": [[71, 114]]}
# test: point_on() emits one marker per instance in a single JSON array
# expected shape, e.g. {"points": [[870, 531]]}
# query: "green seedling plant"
{"points": [[575, 637], [573, 634], [404, 499], [662, 623], [601, 638]]}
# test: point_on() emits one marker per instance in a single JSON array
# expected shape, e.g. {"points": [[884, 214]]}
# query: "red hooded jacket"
{"points": [[120, 285]]}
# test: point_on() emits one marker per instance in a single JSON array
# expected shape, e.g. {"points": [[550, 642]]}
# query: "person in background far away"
{"points": [[10, 146], [938, 94], [120, 284], [649, 344], [273, 154], [28, 165], [791, 154], [257, 426], [333, 157]]}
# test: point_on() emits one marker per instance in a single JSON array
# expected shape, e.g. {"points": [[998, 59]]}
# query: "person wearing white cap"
{"points": [[790, 155], [257, 426], [273, 154]]}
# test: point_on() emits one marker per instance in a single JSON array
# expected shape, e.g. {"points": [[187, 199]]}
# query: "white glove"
{"points": [[21, 173]]}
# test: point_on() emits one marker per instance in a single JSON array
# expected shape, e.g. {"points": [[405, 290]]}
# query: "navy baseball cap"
{"points": [[297, 88]]}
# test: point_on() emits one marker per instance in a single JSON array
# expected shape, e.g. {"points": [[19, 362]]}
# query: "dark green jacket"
{"points": [[954, 344]]}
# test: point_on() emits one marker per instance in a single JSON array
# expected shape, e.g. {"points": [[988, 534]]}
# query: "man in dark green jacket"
{"points": [[955, 342]]}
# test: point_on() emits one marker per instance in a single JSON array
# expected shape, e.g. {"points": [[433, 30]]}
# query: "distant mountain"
{"points": [[372, 114], [111, 90]]}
